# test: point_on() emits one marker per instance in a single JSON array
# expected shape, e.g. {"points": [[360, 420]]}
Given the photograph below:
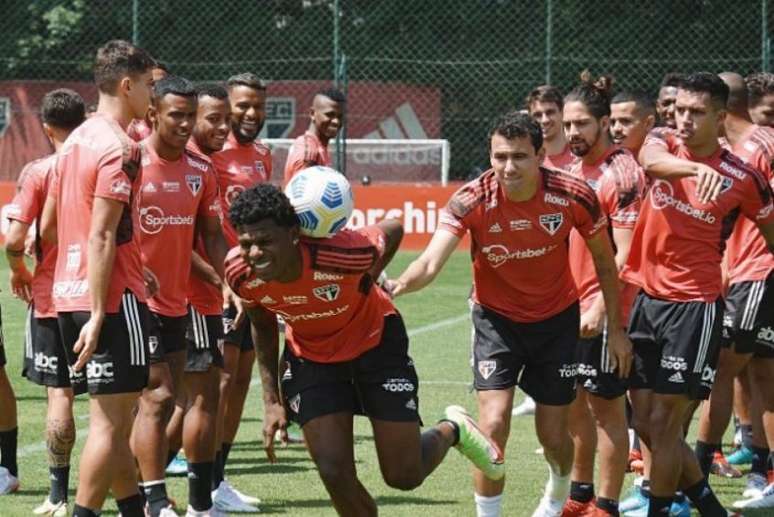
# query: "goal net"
{"points": [[381, 160]]}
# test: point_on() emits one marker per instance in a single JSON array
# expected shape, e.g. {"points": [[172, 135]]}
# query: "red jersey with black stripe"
{"points": [[678, 242], [619, 183], [334, 312], [747, 257], [306, 151], [520, 249], [563, 161]]}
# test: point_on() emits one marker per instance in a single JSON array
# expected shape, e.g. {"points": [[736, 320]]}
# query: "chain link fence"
{"points": [[423, 70]]}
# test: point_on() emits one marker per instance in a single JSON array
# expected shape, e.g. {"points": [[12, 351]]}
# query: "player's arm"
{"points": [[204, 270], [101, 253], [20, 277], [658, 162], [47, 220], [607, 273], [214, 243], [767, 229], [393, 234], [265, 332], [426, 267]]}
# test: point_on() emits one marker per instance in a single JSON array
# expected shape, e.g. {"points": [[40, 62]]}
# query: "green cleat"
{"points": [[480, 450]]}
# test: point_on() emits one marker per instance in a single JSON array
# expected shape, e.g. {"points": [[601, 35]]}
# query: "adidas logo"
{"points": [[405, 124], [267, 300], [495, 228], [149, 187], [676, 377], [411, 405]]}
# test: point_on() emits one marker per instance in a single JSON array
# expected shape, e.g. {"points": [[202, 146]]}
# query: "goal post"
{"points": [[394, 161]]}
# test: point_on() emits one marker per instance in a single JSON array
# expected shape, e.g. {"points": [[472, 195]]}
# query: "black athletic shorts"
{"points": [[676, 345], [166, 334], [594, 372], [120, 362], [538, 356], [239, 336], [45, 362], [204, 341], [381, 383], [748, 324], [3, 360]]}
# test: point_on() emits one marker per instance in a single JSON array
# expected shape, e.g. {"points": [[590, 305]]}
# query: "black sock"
{"points": [[80, 511], [659, 506], [130, 506], [199, 486], [171, 455], [704, 453], [704, 499], [225, 450], [8, 450], [156, 495], [60, 481], [771, 460], [747, 435], [760, 460], [581, 492], [679, 496], [645, 486], [608, 505], [636, 443], [217, 470]]}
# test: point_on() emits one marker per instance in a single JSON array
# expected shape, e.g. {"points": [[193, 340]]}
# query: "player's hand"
{"points": [[708, 183], [274, 420], [620, 349], [592, 322], [87, 341], [29, 245], [230, 298], [394, 287], [21, 285], [151, 282]]}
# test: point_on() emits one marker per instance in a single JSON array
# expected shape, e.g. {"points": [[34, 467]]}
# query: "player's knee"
{"points": [[403, 481], [159, 402], [336, 475], [554, 438], [495, 426]]}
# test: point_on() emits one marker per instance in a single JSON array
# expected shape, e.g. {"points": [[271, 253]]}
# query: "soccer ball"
{"points": [[323, 200]]}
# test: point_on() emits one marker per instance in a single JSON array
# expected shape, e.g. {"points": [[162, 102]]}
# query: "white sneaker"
{"points": [[248, 499], [168, 512], [226, 500], [549, 507], [8, 482], [765, 500], [212, 512], [756, 484], [527, 407], [50, 509]]}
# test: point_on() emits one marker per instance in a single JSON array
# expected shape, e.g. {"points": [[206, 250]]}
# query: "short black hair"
{"points": [[263, 201], [707, 82], [642, 99], [758, 86], [671, 80], [544, 93], [174, 85], [117, 59], [333, 94], [63, 108], [162, 66], [248, 79], [594, 94], [517, 125], [214, 90]]}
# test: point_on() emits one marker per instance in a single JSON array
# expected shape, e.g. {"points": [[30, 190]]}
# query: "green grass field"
{"points": [[440, 331]]}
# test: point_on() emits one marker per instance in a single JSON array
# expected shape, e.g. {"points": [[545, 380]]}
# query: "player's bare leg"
{"points": [[742, 404], [199, 433], [494, 420], [613, 444], [236, 400], [329, 440], [8, 432], [584, 437], [60, 439]]}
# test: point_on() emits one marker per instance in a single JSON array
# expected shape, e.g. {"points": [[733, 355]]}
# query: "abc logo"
{"points": [[99, 370]]}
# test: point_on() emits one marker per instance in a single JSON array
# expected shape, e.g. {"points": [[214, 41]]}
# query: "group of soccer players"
{"points": [[602, 249]]}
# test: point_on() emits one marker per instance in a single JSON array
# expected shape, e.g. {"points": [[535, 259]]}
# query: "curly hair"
{"points": [[594, 94], [263, 201], [758, 86]]}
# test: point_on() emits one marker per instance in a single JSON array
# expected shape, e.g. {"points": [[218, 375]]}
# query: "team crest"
{"points": [[295, 404], [5, 114], [487, 368], [194, 182], [153, 344], [327, 293], [280, 117], [551, 222], [726, 185], [260, 169]]}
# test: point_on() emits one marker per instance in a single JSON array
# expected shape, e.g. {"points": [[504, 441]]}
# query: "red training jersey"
{"points": [[519, 249], [747, 257], [27, 207], [333, 312], [306, 151], [172, 196], [678, 241], [239, 167], [97, 160], [618, 181], [564, 160]]}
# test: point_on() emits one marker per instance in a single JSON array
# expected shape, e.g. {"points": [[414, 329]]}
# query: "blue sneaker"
{"points": [[678, 509], [634, 501], [742, 456], [177, 467]]}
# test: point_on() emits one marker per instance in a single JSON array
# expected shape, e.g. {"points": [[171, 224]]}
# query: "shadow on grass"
{"points": [[292, 507], [267, 468]]}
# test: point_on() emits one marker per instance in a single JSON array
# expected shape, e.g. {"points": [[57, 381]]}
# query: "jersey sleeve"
{"points": [[376, 237], [210, 204], [28, 201], [620, 196], [588, 217], [661, 137], [456, 217], [113, 177], [758, 203]]}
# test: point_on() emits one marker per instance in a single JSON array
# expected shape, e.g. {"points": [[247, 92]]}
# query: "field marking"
{"points": [[34, 448]]}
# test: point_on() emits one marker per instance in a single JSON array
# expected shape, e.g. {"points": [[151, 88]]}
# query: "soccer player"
{"points": [[749, 315], [761, 98], [140, 128], [599, 412], [525, 311], [698, 191], [544, 104], [346, 352], [9, 431], [244, 162], [99, 288], [665, 103], [632, 116], [311, 148], [45, 363]]}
